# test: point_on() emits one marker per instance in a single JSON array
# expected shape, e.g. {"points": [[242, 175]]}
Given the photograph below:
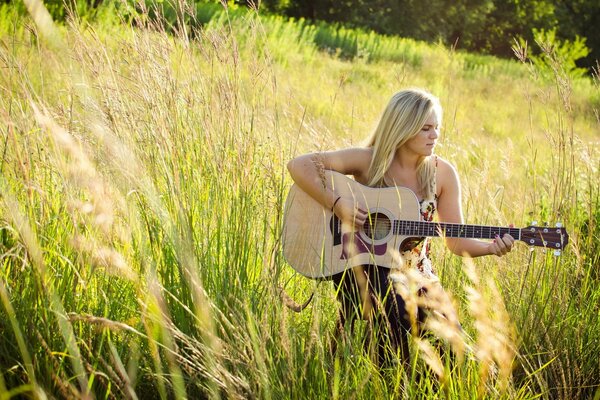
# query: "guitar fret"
{"points": [[432, 229]]}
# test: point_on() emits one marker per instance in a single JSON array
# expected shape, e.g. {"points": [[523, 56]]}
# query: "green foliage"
{"points": [[566, 53], [477, 25], [485, 26], [139, 245]]}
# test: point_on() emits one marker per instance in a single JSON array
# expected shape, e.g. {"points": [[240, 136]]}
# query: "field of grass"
{"points": [[142, 178]]}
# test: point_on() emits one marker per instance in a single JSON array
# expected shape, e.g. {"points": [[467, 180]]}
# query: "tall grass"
{"points": [[141, 194]]}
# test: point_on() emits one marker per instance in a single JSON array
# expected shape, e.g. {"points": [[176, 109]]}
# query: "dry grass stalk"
{"points": [[191, 356], [317, 160], [102, 323], [432, 358], [104, 257], [82, 174], [64, 386], [494, 347], [442, 318], [419, 292]]}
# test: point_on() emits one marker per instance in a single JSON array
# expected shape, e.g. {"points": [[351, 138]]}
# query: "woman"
{"points": [[400, 152]]}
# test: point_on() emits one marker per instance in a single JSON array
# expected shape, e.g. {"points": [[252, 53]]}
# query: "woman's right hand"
{"points": [[350, 212]]}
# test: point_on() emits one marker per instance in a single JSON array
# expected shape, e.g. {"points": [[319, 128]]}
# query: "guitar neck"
{"points": [[435, 229]]}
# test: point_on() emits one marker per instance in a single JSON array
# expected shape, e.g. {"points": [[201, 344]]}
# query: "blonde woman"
{"points": [[400, 152]]}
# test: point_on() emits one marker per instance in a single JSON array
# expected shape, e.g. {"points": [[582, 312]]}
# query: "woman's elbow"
{"points": [[454, 246], [296, 166], [293, 166], [460, 252]]}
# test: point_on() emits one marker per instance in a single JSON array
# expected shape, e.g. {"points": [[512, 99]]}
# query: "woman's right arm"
{"points": [[306, 171]]}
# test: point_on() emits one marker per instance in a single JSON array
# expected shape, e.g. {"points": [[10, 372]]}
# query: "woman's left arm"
{"points": [[449, 210]]}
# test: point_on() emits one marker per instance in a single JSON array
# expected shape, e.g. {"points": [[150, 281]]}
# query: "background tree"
{"points": [[486, 26]]}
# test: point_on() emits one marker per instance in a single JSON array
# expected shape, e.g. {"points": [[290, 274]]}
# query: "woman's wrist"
{"points": [[335, 202]]}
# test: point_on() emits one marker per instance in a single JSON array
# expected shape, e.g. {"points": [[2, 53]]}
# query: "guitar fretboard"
{"points": [[434, 229]]}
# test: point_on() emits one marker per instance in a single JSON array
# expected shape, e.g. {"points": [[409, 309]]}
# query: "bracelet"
{"points": [[335, 202]]}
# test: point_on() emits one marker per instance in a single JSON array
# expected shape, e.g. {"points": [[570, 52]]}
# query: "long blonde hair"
{"points": [[402, 119]]}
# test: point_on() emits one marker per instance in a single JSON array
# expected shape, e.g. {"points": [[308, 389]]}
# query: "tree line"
{"points": [[484, 26]]}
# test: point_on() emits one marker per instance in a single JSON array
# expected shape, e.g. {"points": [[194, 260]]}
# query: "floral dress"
{"points": [[418, 256]]}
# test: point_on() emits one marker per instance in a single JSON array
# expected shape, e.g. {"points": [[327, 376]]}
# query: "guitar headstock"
{"points": [[555, 238]]}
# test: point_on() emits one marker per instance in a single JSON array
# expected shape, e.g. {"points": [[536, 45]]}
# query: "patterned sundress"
{"points": [[418, 256]]}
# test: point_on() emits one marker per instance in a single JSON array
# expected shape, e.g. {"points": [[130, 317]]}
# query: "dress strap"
{"points": [[434, 179]]}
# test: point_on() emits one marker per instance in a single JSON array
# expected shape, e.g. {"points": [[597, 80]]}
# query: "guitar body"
{"points": [[317, 245]]}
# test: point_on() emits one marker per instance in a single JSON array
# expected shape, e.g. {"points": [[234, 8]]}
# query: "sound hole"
{"points": [[378, 226]]}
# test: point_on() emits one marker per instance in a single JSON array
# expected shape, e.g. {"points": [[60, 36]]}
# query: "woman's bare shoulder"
{"points": [[446, 177], [444, 167], [363, 154]]}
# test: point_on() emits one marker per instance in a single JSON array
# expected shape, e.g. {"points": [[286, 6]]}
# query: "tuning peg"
{"points": [[559, 225], [534, 223], [557, 253]]}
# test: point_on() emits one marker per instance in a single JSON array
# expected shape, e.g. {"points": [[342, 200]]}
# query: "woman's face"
{"points": [[424, 142]]}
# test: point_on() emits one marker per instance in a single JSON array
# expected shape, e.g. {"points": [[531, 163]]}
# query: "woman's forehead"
{"points": [[432, 119]]}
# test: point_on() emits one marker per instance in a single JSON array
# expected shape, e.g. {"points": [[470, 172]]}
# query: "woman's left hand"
{"points": [[501, 245]]}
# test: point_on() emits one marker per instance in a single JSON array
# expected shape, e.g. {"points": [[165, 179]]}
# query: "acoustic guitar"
{"points": [[317, 245]]}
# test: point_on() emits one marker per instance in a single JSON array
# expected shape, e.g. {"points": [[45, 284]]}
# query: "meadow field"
{"points": [[142, 182]]}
